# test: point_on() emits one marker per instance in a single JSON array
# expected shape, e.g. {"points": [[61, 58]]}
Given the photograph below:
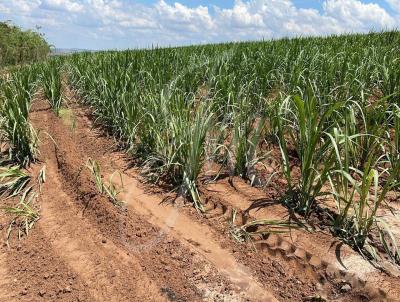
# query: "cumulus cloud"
{"points": [[358, 15], [273, 18], [125, 23], [281, 18], [179, 16]]}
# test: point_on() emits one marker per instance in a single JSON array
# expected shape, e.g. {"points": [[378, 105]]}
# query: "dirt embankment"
{"points": [[84, 248]]}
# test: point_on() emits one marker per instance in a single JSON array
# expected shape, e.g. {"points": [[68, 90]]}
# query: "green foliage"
{"points": [[19, 47], [110, 189], [12, 180], [52, 82], [24, 215], [15, 128], [303, 123], [246, 128]]}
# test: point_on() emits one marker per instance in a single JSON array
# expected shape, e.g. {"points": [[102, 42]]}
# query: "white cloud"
{"points": [[242, 15], [63, 5], [138, 23], [22, 6], [129, 24], [354, 14], [180, 16], [273, 18]]}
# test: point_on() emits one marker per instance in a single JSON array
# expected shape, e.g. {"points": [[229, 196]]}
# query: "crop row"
{"points": [[330, 104]]}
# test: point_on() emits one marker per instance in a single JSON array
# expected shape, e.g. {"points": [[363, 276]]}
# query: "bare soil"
{"points": [[156, 247]]}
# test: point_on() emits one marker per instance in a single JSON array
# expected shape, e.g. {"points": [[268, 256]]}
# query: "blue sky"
{"points": [[119, 24], [317, 4]]}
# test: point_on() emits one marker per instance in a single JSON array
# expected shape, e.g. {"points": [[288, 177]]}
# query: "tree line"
{"points": [[19, 46]]}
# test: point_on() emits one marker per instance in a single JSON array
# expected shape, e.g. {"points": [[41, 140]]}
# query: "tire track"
{"points": [[195, 235], [111, 275], [4, 277], [294, 246]]}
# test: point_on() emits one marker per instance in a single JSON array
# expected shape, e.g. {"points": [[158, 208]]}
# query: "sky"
{"points": [[121, 24]]}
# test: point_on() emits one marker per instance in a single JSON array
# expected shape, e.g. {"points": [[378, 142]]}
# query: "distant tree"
{"points": [[19, 46]]}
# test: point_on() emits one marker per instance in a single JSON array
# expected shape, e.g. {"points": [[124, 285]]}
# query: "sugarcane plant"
{"points": [[302, 126], [52, 84], [15, 128]]}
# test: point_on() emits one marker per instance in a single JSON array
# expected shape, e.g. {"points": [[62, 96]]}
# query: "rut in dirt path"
{"points": [[110, 273], [4, 278], [326, 255], [30, 270], [194, 234]]}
